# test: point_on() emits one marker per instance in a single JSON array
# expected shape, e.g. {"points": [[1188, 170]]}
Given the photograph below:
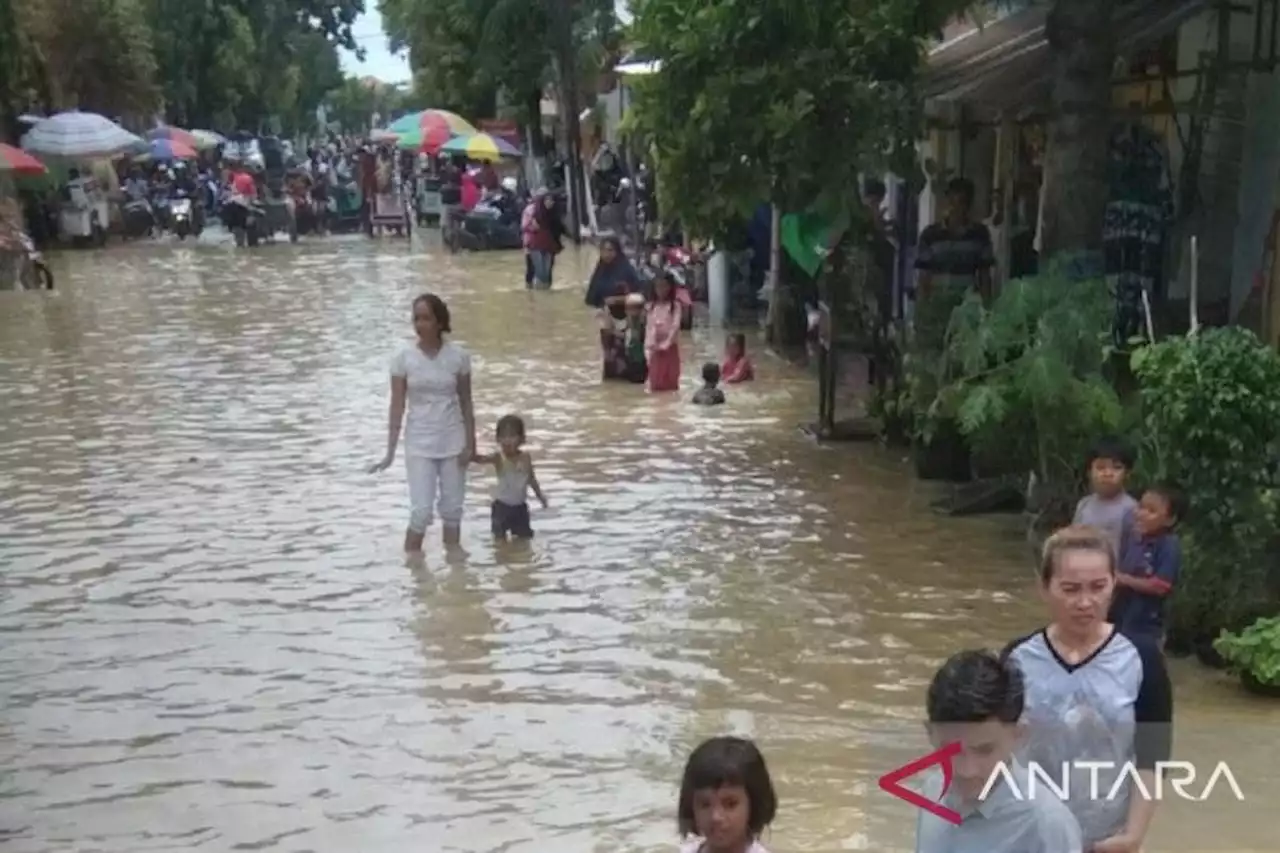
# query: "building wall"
{"points": [[1260, 172], [1214, 221]]}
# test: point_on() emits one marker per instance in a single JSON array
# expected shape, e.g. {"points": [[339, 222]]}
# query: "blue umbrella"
{"points": [[171, 149]]}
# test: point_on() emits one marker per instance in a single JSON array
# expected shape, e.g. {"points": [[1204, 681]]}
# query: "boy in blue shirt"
{"points": [[1141, 589]]}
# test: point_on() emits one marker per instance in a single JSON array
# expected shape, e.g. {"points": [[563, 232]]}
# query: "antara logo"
{"points": [[1065, 781]]}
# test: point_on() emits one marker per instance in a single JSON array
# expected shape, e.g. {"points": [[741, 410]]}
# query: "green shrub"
{"points": [[1255, 650], [1211, 424]]}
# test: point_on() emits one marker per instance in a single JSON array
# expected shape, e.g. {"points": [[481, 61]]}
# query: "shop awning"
{"points": [[1006, 63]]}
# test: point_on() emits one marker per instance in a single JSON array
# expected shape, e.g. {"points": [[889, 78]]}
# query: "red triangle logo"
{"points": [[891, 782]]}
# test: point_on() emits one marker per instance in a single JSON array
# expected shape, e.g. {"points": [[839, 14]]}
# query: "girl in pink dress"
{"points": [[726, 798], [662, 336]]}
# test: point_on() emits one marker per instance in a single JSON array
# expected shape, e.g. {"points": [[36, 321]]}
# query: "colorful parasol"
{"points": [[429, 129], [19, 162], [480, 146], [169, 149], [380, 136], [175, 134]]}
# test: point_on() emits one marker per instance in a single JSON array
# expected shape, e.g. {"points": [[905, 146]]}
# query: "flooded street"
{"points": [[209, 637]]}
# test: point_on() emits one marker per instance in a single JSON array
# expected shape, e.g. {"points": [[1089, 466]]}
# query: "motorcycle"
{"points": [[186, 219], [494, 223], [304, 212], [245, 219], [677, 263], [139, 221], [160, 204], [33, 273]]}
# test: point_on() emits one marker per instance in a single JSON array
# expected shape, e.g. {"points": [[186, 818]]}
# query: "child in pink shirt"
{"points": [[737, 367]]}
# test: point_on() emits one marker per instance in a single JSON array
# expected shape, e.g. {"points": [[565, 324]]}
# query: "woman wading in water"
{"points": [[431, 378]]}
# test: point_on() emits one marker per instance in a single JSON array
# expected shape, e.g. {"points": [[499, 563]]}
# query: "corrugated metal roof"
{"points": [[1006, 64]]}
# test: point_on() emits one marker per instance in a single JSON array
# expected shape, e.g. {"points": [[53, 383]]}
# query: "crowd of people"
{"points": [[1088, 690], [639, 323]]}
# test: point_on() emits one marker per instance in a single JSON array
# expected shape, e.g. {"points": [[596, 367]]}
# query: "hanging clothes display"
{"points": [[1138, 217]]}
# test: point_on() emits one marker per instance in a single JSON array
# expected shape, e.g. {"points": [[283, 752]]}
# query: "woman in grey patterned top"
{"points": [[1099, 705]]}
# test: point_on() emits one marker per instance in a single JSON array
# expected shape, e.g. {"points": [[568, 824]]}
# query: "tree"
{"points": [[20, 80], [1075, 164], [355, 103], [777, 101], [91, 54], [467, 53], [236, 63]]}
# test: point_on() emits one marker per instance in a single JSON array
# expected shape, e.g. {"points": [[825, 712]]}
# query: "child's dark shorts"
{"points": [[510, 519]]}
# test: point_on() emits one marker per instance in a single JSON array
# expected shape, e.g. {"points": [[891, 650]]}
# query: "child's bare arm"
{"points": [[536, 486]]}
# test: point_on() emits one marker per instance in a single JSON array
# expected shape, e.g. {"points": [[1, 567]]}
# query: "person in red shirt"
{"points": [[242, 183], [737, 367], [470, 191]]}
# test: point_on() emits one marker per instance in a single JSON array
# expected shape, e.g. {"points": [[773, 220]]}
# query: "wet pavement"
{"points": [[209, 638]]}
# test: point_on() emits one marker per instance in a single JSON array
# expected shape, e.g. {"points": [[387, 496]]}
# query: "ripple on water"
{"points": [[210, 640]]}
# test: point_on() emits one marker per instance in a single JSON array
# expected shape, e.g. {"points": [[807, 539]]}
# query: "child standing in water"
{"points": [[737, 367], [509, 512], [726, 798], [662, 336]]}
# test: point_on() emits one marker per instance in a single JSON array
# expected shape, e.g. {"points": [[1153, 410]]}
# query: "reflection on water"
{"points": [[210, 638]]}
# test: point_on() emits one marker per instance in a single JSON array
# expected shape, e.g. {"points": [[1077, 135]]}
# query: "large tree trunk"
{"points": [[1075, 163]]}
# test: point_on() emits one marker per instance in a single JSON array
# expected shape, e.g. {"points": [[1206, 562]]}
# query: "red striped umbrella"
{"points": [[19, 162]]}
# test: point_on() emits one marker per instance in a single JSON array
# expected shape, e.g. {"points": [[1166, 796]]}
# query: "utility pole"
{"points": [[567, 62]]}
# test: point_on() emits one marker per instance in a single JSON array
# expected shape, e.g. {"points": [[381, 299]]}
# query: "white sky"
{"points": [[379, 62]]}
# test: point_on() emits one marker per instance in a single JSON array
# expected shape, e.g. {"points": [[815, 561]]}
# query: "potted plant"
{"points": [[1255, 654], [893, 410], [1025, 385]]}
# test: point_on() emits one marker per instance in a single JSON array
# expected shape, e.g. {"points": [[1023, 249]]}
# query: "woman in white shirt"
{"points": [[431, 378]]}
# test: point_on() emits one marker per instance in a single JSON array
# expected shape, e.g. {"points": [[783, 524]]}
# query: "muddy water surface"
{"points": [[209, 638]]}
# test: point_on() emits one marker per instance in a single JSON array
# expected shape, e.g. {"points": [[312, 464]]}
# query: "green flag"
{"points": [[808, 238]]}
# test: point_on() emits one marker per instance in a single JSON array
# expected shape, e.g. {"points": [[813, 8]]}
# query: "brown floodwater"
{"points": [[209, 638]]}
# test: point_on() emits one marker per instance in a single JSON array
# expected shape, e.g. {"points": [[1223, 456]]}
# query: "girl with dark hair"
{"points": [[662, 336], [431, 398], [542, 232], [726, 798]]}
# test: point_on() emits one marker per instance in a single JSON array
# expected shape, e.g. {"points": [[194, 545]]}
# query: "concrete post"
{"points": [[718, 289]]}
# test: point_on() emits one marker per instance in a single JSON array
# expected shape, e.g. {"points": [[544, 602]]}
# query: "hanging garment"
{"points": [[1135, 229]]}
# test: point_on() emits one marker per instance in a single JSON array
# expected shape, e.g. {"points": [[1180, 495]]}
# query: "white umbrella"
{"points": [[80, 136], [209, 139]]}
